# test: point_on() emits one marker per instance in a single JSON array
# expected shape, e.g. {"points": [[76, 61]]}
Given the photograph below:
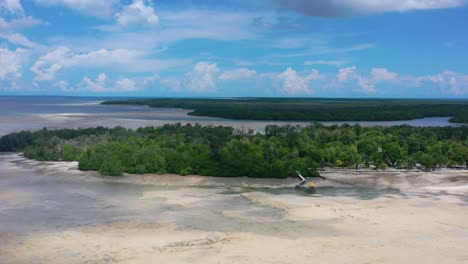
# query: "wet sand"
{"points": [[53, 213]]}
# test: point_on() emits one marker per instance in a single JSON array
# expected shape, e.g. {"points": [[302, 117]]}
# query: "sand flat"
{"points": [[62, 215]]}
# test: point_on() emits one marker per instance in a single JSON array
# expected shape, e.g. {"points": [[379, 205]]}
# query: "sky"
{"points": [[235, 48]]}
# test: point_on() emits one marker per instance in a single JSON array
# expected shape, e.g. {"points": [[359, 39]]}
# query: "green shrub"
{"points": [[111, 167]]}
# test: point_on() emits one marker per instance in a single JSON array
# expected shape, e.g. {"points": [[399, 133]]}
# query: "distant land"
{"points": [[313, 109]]}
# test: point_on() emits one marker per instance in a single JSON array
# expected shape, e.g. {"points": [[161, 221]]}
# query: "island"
{"points": [[223, 151], [312, 109]]}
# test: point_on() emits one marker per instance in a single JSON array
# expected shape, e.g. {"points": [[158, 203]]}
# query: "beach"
{"points": [[52, 213], [224, 131]]}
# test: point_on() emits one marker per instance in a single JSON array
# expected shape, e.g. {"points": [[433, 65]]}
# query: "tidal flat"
{"points": [[34, 113], [50, 212]]}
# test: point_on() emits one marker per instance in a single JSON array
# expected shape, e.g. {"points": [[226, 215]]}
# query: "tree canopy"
{"points": [[313, 109], [224, 151]]}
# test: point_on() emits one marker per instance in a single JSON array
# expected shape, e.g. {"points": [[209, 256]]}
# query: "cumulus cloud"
{"points": [[11, 63], [203, 77], [346, 74], [366, 83], [450, 82], [337, 8], [97, 85], [101, 84], [100, 8], [349, 74], [63, 85], [292, 83], [126, 85], [137, 13], [383, 74], [238, 74], [11, 6]]}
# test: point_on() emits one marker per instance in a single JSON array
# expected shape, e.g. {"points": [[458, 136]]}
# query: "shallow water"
{"points": [[36, 112], [52, 213], [38, 197]]}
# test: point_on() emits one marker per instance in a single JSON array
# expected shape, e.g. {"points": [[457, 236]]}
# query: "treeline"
{"points": [[460, 118], [313, 109], [223, 151]]}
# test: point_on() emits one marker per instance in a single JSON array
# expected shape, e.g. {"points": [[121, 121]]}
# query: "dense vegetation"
{"points": [[313, 109], [460, 118], [222, 151]]}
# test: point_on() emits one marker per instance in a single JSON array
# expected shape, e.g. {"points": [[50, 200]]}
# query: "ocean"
{"points": [[35, 112]]}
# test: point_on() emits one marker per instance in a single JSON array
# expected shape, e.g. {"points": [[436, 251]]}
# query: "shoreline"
{"points": [[451, 181], [86, 218], [136, 120]]}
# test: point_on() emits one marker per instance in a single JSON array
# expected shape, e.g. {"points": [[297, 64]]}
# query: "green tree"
{"points": [[111, 167], [392, 153], [426, 160]]}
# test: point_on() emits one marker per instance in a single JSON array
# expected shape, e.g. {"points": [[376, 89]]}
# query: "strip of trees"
{"points": [[302, 109], [223, 151]]}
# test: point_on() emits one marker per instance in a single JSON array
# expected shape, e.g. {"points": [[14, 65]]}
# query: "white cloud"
{"points": [[203, 77], [315, 75], [292, 83], [18, 23], [175, 25], [98, 85], [100, 8], [101, 84], [346, 74], [49, 64], [366, 85], [11, 63], [19, 39], [206, 24], [350, 74], [450, 82], [137, 13], [63, 86], [326, 62], [125, 85], [333, 8], [238, 74], [11, 6], [382, 74]]}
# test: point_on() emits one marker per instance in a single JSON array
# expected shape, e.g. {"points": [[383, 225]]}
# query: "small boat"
{"points": [[303, 185]]}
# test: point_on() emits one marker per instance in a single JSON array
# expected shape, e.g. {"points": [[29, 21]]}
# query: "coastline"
{"points": [[171, 219], [137, 119], [449, 180]]}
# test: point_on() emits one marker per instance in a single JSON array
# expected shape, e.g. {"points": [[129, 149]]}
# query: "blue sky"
{"points": [[215, 48]]}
